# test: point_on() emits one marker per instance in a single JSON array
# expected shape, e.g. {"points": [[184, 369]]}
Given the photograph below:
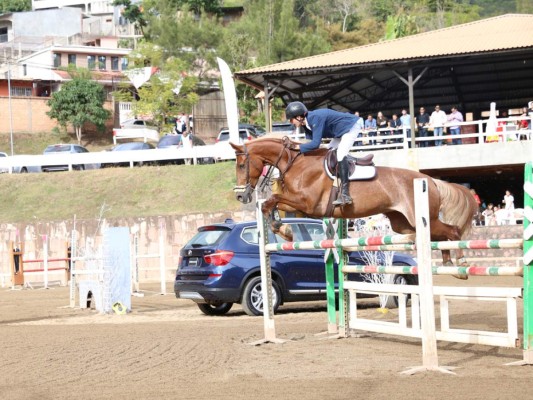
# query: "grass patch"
{"points": [[126, 192]]}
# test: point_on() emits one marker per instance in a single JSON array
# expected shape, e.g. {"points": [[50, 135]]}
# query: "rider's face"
{"points": [[297, 121]]}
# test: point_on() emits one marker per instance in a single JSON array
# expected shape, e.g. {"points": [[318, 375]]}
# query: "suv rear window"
{"points": [[208, 236]]}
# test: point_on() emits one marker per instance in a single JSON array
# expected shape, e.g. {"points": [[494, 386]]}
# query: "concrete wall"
{"points": [[58, 22], [176, 231]]}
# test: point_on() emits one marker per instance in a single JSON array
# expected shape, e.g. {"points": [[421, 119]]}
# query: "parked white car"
{"points": [[136, 129], [3, 170]]}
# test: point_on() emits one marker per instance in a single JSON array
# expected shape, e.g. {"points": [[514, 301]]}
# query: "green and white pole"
{"points": [[528, 264]]}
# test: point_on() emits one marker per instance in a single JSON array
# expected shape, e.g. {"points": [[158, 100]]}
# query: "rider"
{"points": [[342, 128]]}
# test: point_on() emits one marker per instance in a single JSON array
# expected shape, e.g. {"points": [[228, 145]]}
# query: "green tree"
{"points": [[167, 93], [132, 12], [79, 101], [7, 6]]}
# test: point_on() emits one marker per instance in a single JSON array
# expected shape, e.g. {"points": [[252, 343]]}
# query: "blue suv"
{"points": [[220, 266]]}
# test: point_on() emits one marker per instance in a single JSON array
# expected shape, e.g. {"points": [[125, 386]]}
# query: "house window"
{"points": [[57, 60], [20, 91], [124, 65], [91, 62], [114, 63], [3, 35], [72, 59], [101, 62], [24, 69]]}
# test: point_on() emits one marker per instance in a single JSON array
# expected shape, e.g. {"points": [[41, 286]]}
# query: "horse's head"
{"points": [[249, 169]]}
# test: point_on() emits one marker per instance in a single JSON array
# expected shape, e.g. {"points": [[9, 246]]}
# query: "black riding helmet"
{"points": [[295, 109]]}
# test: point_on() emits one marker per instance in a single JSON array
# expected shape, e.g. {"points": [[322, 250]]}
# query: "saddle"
{"points": [[360, 167]]}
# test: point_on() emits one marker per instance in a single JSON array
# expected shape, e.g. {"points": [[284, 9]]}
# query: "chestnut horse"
{"points": [[306, 188]]}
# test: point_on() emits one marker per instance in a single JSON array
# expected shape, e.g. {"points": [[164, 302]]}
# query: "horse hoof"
{"points": [[276, 225], [462, 277]]}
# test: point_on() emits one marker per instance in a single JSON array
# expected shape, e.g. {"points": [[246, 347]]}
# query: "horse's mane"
{"points": [[457, 205], [279, 137]]}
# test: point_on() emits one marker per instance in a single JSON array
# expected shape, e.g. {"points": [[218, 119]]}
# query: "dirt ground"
{"points": [[167, 349]]}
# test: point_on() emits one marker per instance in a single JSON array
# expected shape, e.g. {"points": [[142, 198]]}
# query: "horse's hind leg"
{"points": [[440, 232]]}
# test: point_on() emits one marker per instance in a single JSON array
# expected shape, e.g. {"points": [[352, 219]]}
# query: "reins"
{"points": [[286, 148]]}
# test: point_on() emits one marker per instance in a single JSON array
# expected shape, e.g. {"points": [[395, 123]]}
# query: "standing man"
{"points": [[422, 122], [437, 121], [342, 128], [405, 120], [371, 128], [455, 117]]}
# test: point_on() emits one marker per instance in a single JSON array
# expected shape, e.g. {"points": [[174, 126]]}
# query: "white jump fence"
{"points": [[423, 322]]}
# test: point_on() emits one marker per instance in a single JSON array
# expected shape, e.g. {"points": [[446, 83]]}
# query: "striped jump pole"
{"points": [[436, 270], [528, 267], [404, 242]]}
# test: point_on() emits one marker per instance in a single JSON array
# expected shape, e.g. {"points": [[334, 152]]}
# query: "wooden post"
{"points": [[17, 267]]}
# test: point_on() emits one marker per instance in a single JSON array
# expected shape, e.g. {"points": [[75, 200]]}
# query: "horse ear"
{"points": [[236, 147]]}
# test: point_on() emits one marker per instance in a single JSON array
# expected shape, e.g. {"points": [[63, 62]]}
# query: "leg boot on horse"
{"points": [[344, 195]]}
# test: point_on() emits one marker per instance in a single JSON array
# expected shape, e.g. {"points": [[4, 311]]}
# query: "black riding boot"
{"points": [[344, 195]]}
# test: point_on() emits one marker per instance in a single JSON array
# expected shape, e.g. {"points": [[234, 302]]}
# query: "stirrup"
{"points": [[343, 200]]}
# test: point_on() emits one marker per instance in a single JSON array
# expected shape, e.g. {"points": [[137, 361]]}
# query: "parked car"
{"points": [[283, 127], [246, 132], [130, 146], [62, 149], [169, 141], [3, 170], [136, 123], [220, 266]]}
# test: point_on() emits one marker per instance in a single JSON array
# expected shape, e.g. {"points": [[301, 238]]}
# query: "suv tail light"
{"points": [[220, 258]]}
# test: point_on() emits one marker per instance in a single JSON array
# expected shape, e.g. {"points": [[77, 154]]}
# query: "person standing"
{"points": [[437, 120], [488, 215], [342, 128], [382, 124], [371, 128], [395, 125], [454, 118], [405, 120], [422, 122], [508, 200], [186, 140]]}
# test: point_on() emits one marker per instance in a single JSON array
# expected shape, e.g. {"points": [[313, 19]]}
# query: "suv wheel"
{"points": [[214, 309], [392, 301], [252, 297]]}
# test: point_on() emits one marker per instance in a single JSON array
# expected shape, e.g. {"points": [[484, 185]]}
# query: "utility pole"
{"points": [[10, 109]]}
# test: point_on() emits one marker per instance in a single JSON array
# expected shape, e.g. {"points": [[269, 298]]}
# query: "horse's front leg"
{"points": [[270, 212]]}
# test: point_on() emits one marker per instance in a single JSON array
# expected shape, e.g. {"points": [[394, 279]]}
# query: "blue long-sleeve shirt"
{"points": [[326, 123]]}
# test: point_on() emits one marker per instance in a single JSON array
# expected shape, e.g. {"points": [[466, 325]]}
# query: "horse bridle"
{"points": [[248, 186]]}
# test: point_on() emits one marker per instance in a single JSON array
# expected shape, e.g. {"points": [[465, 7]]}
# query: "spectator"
{"points": [[477, 215], [422, 123], [186, 140], [181, 124], [437, 120], [405, 121], [523, 124], [370, 128], [382, 123], [454, 118], [508, 200], [488, 215], [395, 125]]}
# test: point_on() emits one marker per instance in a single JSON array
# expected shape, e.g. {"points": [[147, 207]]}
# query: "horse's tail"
{"points": [[457, 205]]}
